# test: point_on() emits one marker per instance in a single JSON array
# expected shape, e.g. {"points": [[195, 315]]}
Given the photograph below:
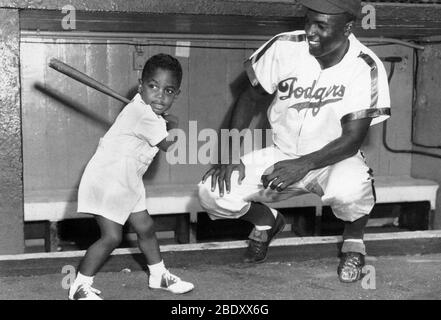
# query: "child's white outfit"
{"points": [[112, 185]]}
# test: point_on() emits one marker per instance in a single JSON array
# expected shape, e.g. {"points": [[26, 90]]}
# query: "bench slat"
{"points": [[405, 189]]}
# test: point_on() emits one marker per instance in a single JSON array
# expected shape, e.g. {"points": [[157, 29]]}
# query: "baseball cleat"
{"points": [[260, 241], [351, 266]]}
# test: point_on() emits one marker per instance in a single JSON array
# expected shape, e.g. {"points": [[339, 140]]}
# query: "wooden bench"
{"points": [[178, 202], [182, 202]]}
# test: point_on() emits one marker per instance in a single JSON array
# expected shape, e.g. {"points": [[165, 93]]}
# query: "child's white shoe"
{"points": [[84, 292], [170, 283]]}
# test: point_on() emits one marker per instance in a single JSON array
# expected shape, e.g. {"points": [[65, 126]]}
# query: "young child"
{"points": [[112, 188]]}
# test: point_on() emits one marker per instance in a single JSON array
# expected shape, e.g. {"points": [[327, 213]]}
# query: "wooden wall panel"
{"points": [[76, 127], [64, 121], [428, 120], [427, 115], [207, 98], [56, 113], [99, 114]]}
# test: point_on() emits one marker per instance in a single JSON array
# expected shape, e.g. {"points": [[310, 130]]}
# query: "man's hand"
{"points": [[221, 174], [251, 101], [286, 173]]}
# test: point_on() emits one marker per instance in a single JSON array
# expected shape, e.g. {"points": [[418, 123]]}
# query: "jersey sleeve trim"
{"points": [[373, 112], [249, 63], [282, 37], [366, 113], [374, 77]]}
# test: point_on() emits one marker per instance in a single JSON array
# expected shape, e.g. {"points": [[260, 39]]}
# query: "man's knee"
{"points": [[350, 195], [230, 205], [349, 182], [351, 201]]}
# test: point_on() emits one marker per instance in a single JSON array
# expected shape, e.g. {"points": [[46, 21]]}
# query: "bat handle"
{"points": [[85, 79]]}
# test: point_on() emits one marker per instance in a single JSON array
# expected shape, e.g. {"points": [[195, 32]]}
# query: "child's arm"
{"points": [[172, 123]]}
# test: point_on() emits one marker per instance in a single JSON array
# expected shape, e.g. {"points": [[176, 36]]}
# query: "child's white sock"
{"points": [[82, 279], [156, 270]]}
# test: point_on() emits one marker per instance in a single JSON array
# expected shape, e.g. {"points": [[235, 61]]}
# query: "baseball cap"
{"points": [[334, 6]]}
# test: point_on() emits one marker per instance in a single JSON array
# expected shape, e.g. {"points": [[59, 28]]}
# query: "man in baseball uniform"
{"points": [[327, 89]]}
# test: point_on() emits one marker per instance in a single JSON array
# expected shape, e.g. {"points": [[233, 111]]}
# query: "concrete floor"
{"points": [[389, 278]]}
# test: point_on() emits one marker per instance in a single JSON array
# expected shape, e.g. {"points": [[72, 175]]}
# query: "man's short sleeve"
{"points": [[263, 66], [151, 128], [367, 95]]}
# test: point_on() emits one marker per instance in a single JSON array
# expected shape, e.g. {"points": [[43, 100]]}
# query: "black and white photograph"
{"points": [[220, 158]]}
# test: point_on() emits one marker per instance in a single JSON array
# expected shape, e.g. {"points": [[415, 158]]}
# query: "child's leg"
{"points": [[96, 255], [142, 223], [160, 277]]}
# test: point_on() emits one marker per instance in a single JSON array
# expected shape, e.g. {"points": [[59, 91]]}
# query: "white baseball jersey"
{"points": [[310, 104]]}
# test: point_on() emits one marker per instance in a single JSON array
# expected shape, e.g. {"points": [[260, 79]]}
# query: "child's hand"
{"points": [[172, 120]]}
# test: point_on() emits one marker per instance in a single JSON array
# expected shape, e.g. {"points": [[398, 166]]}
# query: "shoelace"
{"points": [[257, 246], [88, 288], [96, 291], [352, 261], [171, 278]]}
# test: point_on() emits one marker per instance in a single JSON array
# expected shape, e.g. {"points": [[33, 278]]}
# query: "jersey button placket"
{"points": [[306, 109]]}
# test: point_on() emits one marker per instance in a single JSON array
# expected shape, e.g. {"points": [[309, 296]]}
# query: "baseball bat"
{"points": [[85, 79]]}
